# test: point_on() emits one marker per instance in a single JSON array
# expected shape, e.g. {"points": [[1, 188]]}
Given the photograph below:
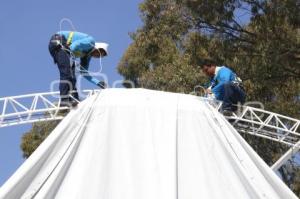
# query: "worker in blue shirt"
{"points": [[64, 46], [224, 86]]}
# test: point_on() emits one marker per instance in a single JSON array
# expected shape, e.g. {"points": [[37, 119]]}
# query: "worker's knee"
{"points": [[228, 86], [63, 59], [64, 72], [227, 89], [66, 77]]}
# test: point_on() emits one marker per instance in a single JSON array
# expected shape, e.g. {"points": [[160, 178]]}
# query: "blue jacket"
{"points": [[224, 75], [81, 45]]}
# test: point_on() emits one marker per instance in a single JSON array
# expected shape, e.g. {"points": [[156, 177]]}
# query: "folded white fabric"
{"points": [[144, 144]]}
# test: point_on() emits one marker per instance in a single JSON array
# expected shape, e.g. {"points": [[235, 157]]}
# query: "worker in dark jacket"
{"points": [[224, 86], [64, 46]]}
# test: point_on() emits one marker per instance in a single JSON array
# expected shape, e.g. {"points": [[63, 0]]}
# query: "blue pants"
{"points": [[233, 94], [61, 57]]}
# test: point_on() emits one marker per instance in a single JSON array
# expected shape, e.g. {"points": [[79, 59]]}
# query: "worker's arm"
{"points": [[211, 84], [82, 45], [84, 62], [222, 78]]}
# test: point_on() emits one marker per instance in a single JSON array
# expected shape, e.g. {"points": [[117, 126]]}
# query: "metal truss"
{"points": [[24, 109], [36, 107], [269, 125], [39, 107]]}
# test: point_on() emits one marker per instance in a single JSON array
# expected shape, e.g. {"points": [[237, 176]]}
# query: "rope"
{"points": [[67, 20], [72, 58]]}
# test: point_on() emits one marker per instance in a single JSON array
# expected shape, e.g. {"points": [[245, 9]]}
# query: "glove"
{"points": [[211, 96], [102, 84]]}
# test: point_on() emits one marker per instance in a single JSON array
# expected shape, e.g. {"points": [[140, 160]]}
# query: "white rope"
{"points": [[100, 63], [69, 21]]}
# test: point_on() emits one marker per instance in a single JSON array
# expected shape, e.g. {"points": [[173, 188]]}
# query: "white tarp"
{"points": [[143, 144]]}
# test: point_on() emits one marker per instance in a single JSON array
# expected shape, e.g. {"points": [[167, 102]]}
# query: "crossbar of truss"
{"points": [[37, 107], [31, 108]]}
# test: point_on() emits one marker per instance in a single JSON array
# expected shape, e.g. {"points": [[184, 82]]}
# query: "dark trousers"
{"points": [[66, 68], [233, 95]]}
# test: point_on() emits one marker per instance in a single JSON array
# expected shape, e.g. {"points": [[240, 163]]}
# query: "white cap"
{"points": [[102, 46]]}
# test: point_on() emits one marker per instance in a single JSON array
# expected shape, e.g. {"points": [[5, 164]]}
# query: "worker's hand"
{"points": [[211, 96], [208, 91], [102, 84]]}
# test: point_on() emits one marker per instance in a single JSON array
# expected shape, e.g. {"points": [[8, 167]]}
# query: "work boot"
{"points": [[74, 104], [227, 113], [64, 104]]}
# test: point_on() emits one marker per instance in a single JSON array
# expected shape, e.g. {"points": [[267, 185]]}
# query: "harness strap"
{"points": [[70, 37]]}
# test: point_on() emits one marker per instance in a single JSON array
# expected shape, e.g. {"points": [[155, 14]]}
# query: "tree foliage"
{"points": [[259, 39], [37, 134], [263, 48]]}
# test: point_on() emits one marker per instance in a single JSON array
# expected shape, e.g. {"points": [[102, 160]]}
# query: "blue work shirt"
{"points": [[81, 45], [222, 76]]}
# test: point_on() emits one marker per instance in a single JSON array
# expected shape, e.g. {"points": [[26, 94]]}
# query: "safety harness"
{"points": [[70, 38]]}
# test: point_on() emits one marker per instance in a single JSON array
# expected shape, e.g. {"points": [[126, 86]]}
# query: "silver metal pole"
{"points": [[289, 154]]}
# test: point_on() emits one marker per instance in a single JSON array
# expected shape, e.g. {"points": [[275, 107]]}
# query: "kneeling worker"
{"points": [[224, 86], [64, 46]]}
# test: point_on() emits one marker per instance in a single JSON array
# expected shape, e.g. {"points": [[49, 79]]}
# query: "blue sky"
{"points": [[26, 66]]}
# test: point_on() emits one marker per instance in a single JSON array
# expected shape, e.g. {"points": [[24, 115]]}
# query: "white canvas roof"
{"points": [[143, 144]]}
